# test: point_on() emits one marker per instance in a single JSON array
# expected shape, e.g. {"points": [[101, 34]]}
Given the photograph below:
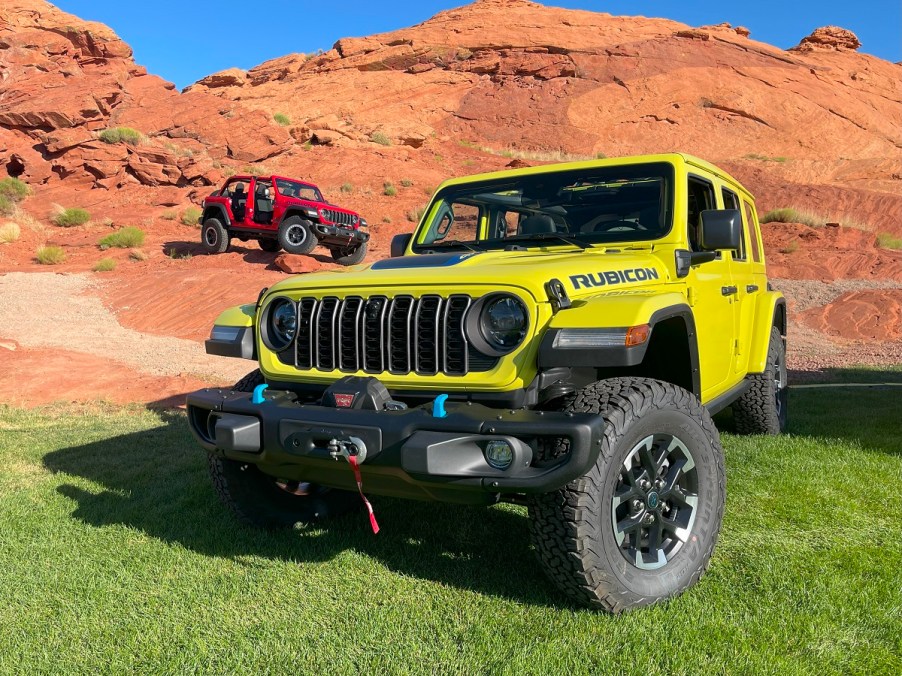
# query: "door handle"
{"points": [[751, 288], [728, 290]]}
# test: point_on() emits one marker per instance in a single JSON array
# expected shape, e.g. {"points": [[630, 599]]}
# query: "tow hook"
{"points": [[345, 448]]}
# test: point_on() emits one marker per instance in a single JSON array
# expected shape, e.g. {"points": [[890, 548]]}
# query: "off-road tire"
{"points": [[214, 236], [572, 527], [350, 256], [269, 245], [257, 500], [296, 235], [763, 408]]}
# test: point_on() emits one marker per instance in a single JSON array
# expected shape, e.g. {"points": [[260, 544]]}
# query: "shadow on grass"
{"points": [[156, 481]]}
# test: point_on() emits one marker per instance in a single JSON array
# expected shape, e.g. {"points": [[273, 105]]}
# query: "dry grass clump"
{"points": [[50, 255], [104, 265], [9, 232], [68, 218]]}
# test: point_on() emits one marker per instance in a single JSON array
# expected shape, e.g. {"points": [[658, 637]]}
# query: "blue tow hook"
{"points": [[257, 396], [438, 406]]}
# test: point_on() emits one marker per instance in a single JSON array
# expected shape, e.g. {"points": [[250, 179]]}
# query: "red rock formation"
{"points": [[828, 37]]}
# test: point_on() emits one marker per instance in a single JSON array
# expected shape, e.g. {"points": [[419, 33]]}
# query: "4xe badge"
{"points": [[344, 400]]}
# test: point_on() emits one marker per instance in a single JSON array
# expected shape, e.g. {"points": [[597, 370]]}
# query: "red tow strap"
{"points": [[369, 508]]}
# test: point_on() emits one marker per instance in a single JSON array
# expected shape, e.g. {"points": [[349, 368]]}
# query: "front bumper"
{"points": [[409, 453], [337, 235]]}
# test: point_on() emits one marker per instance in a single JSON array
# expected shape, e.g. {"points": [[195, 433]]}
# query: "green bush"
{"points": [[72, 216], [191, 215], [380, 138], [169, 215], [347, 188], [406, 182], [121, 135], [137, 255], [388, 189], [9, 232], [104, 265], [887, 241], [127, 238], [14, 190], [50, 255], [282, 119], [7, 207]]}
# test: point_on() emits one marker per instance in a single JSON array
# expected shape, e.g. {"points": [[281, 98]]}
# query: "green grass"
{"points": [[764, 158], [10, 232], [888, 241], [117, 556], [50, 255], [347, 188], [810, 218], [68, 218], [127, 238], [380, 138], [121, 135], [282, 119], [169, 215], [406, 183], [190, 216], [105, 265], [388, 189], [7, 206], [13, 189]]}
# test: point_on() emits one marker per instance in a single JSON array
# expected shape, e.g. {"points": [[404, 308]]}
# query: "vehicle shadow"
{"points": [[249, 251], [156, 481]]}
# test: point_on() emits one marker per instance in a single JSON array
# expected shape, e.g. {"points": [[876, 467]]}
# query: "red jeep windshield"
{"points": [[302, 191]]}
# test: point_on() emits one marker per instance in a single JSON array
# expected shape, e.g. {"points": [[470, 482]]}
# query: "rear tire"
{"points": [[349, 256], [763, 409], [296, 235], [640, 526], [269, 245], [260, 500], [214, 236]]}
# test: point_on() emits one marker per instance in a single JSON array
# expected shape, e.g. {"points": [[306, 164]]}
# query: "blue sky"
{"points": [[184, 41]]}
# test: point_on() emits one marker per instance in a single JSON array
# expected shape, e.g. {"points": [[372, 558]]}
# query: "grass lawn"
{"points": [[115, 555]]}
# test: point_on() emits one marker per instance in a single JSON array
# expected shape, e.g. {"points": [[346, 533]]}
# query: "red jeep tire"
{"points": [[296, 235], [270, 245], [349, 256], [214, 236]]}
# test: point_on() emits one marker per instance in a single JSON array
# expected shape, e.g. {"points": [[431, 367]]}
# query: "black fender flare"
{"points": [[217, 211], [297, 211]]}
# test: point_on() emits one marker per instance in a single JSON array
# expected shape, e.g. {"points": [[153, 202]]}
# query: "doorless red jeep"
{"points": [[281, 213]]}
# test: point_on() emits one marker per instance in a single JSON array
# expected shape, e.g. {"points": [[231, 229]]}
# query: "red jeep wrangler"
{"points": [[281, 213]]}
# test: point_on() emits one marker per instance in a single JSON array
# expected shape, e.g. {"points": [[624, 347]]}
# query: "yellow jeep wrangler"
{"points": [[556, 336]]}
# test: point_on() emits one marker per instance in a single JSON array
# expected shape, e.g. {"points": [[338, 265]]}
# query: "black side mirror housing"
{"points": [[720, 229], [399, 244]]}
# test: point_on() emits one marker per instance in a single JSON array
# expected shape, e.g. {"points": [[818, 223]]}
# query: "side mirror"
{"points": [[399, 244], [720, 229]]}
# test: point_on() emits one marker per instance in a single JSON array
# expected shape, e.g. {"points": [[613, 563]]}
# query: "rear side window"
{"points": [[701, 198], [752, 221], [731, 201]]}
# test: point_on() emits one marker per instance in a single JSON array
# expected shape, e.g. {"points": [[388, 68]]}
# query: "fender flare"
{"points": [[770, 312], [297, 211], [217, 211]]}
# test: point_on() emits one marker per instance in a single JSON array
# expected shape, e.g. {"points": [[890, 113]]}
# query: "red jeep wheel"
{"points": [[296, 235], [214, 236]]}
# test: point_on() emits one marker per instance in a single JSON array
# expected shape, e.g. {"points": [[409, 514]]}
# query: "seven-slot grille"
{"points": [[399, 335], [339, 217]]}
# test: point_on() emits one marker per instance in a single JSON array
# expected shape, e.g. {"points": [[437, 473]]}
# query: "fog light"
{"points": [[499, 454]]}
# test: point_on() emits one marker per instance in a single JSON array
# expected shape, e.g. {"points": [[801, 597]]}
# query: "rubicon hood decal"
{"points": [[423, 261], [611, 277]]}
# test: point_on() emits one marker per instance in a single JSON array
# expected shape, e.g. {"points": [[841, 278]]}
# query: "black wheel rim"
{"points": [[210, 236], [654, 505], [296, 235]]}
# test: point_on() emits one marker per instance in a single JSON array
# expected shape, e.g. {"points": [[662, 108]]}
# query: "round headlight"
{"points": [[281, 324], [503, 323]]}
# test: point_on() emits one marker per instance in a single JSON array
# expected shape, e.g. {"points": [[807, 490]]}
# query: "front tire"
{"points": [[269, 245], [214, 236], [640, 526], [296, 235], [763, 409], [260, 500], [349, 256]]}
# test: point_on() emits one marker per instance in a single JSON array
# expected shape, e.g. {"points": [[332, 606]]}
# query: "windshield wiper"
{"points": [[540, 236], [455, 242]]}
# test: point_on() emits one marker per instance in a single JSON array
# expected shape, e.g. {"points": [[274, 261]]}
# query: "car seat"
{"points": [[537, 223]]}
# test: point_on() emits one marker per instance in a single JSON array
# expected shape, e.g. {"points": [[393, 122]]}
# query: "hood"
{"points": [[582, 272]]}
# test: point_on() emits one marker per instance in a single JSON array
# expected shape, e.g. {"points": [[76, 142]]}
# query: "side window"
{"points": [[752, 222], [701, 198], [731, 201], [456, 221]]}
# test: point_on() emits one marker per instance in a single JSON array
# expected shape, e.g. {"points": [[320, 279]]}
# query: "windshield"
{"points": [[584, 206], [302, 191]]}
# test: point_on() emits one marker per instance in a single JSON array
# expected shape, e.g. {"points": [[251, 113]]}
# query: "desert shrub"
{"points": [[388, 189], [792, 247], [169, 215], [104, 265], [380, 138], [50, 255], [386, 219], [190, 216], [127, 238], [414, 215], [406, 182], [14, 190], [888, 241], [308, 145], [9, 232], [282, 119], [72, 216], [121, 135], [347, 188], [137, 255], [7, 207]]}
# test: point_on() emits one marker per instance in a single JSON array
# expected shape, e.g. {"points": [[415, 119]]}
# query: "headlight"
{"points": [[279, 324], [496, 324], [311, 213]]}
